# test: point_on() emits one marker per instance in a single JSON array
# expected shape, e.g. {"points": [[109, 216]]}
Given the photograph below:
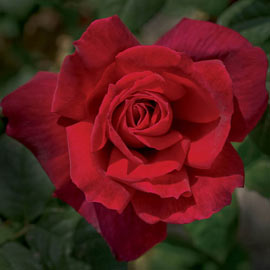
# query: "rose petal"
{"points": [[128, 236], [170, 185], [99, 134], [87, 173], [202, 40], [247, 66], [196, 105], [160, 142], [158, 163], [151, 81], [212, 190], [73, 196], [154, 58], [204, 150], [31, 122], [81, 71]]}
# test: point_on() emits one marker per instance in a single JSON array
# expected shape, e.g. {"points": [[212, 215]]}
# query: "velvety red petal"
{"points": [[247, 66], [128, 236], [158, 163], [202, 40], [211, 189], [160, 142], [214, 78], [31, 122], [151, 81], [154, 58], [99, 132], [87, 174], [81, 71], [196, 105], [170, 185]]}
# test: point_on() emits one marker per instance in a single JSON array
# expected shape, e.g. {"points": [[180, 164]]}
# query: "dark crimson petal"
{"points": [[202, 40], [88, 175], [212, 190], [81, 71], [31, 122], [170, 185], [158, 163], [213, 76], [128, 236], [247, 66], [73, 196]]}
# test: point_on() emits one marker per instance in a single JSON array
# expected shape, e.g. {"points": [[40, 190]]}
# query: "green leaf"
{"points": [[211, 7], [24, 187], [73, 264], [257, 177], [237, 259], [51, 237], [20, 78], [215, 236], [261, 134], [9, 28], [91, 248], [14, 256], [249, 152], [257, 164], [134, 13], [234, 14], [6, 233]]}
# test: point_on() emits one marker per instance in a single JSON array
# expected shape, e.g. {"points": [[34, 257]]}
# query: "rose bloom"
{"points": [[134, 137]]}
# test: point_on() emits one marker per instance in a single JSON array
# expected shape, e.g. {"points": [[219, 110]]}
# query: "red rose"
{"points": [[134, 137]]}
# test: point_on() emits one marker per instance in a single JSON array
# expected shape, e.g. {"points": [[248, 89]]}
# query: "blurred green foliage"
{"points": [[47, 234]]}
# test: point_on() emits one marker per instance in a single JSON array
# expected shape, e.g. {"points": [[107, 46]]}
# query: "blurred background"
{"points": [[38, 231]]}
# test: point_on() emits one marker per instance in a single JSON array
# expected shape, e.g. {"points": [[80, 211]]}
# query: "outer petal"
{"points": [[212, 190], [31, 122], [128, 236], [88, 175], [81, 71], [216, 80], [202, 40], [246, 65], [73, 196], [247, 68]]}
